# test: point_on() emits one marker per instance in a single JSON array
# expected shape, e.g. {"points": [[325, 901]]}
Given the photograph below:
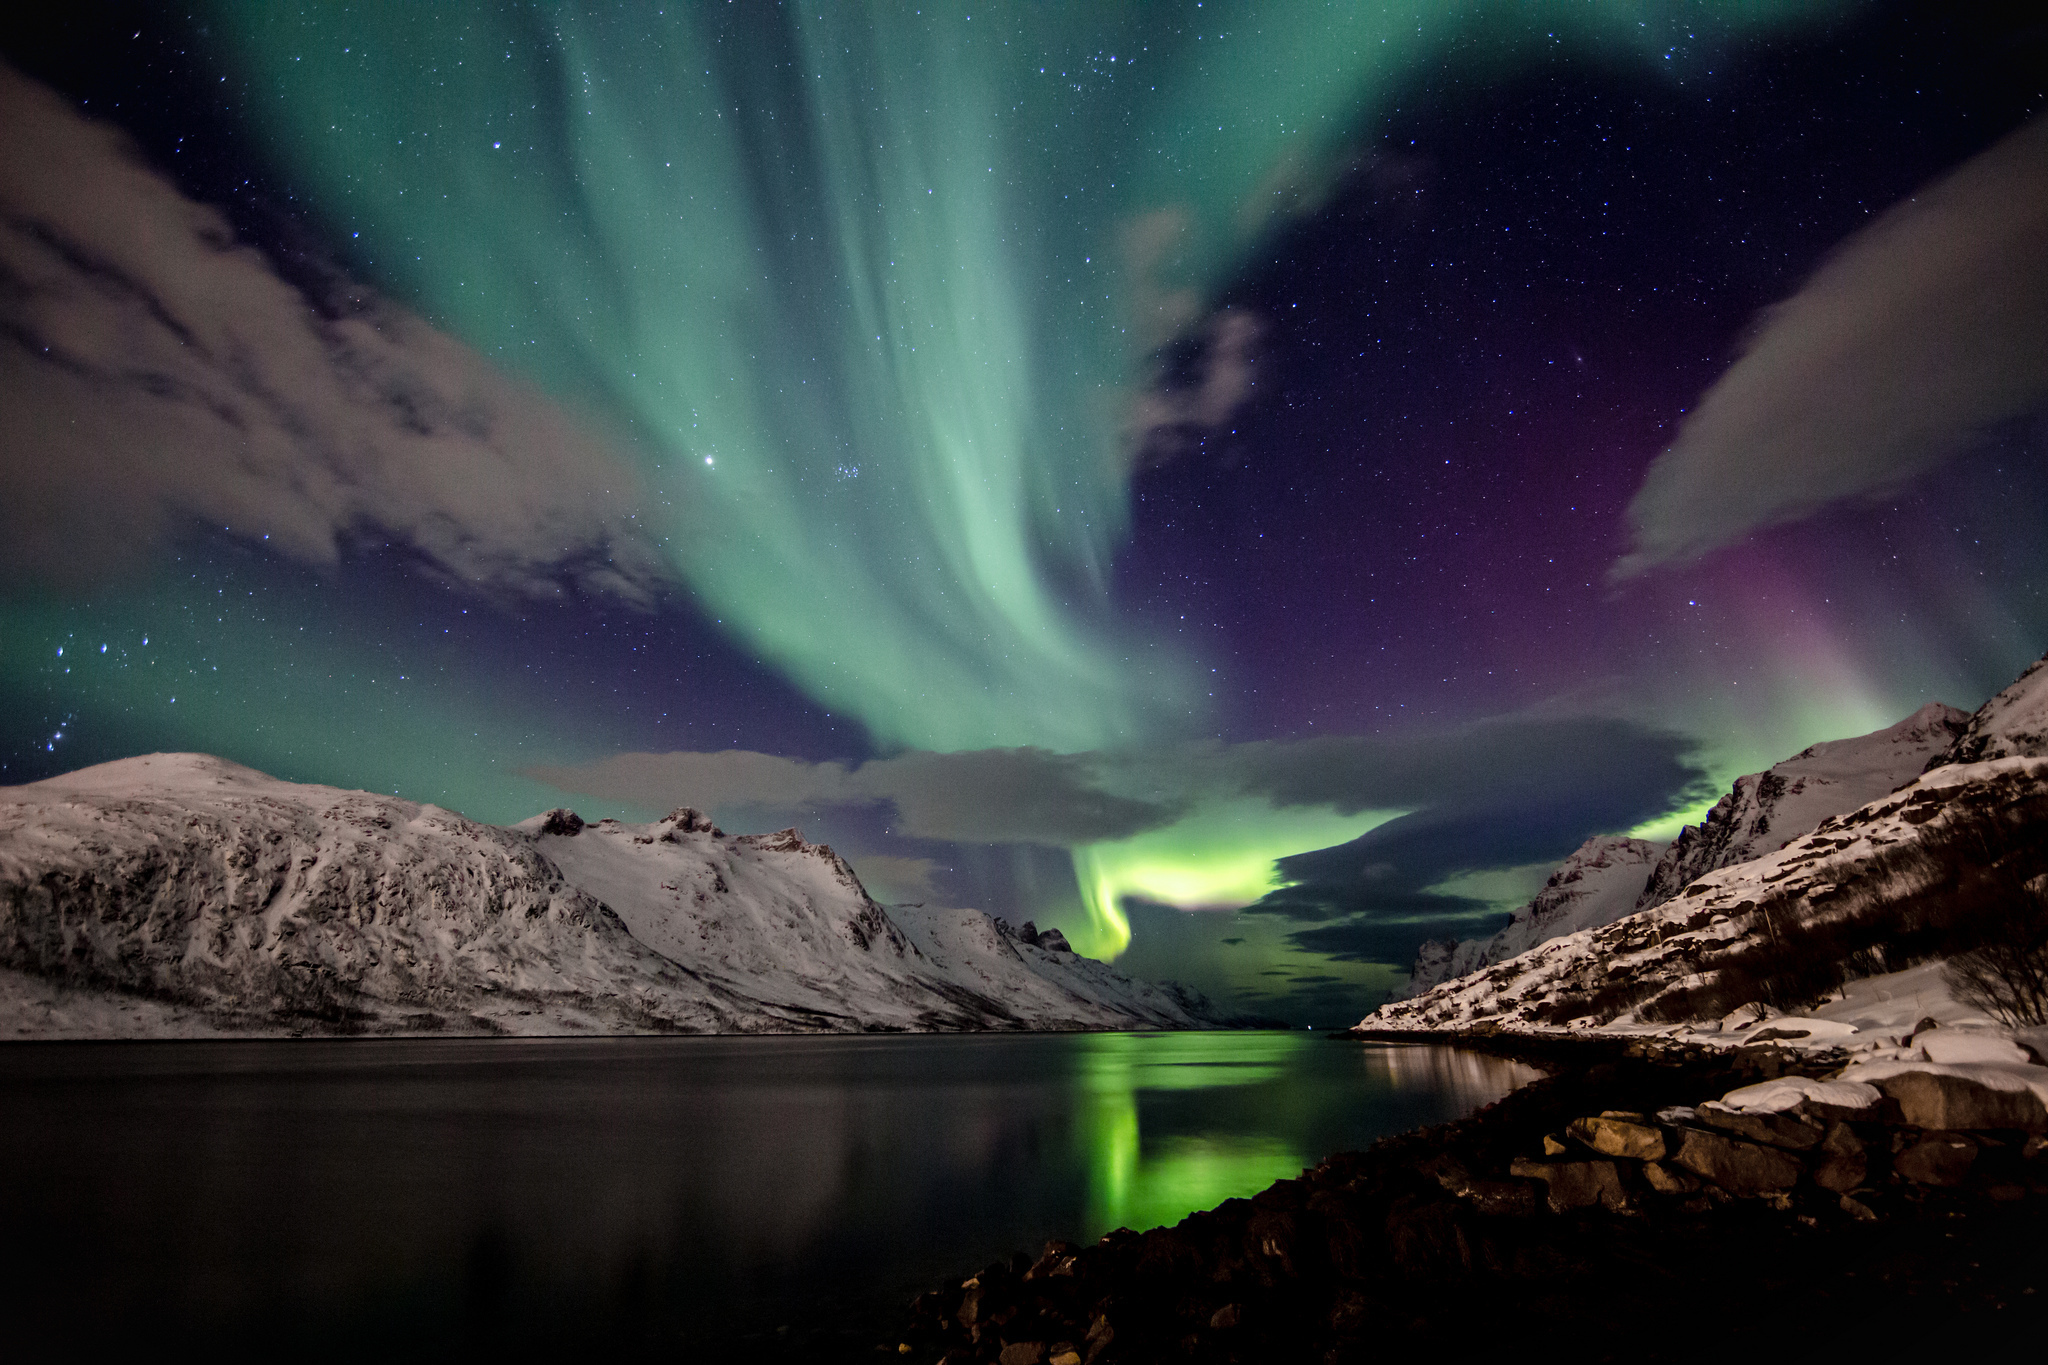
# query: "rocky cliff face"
{"points": [[1765, 811], [180, 893], [1596, 885], [2013, 724]]}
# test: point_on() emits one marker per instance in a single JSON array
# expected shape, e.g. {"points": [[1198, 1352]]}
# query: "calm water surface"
{"points": [[402, 1197]]}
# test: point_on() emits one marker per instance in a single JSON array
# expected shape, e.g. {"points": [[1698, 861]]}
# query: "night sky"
{"points": [[1253, 485]]}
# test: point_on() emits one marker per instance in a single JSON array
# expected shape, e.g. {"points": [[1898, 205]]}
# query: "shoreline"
{"points": [[1599, 1205]]}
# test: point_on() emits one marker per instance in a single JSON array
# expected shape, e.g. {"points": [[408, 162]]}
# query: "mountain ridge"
{"points": [[238, 902], [1939, 862], [1760, 812]]}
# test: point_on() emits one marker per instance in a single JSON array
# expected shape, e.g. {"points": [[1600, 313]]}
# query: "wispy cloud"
{"points": [[156, 375], [1921, 331]]}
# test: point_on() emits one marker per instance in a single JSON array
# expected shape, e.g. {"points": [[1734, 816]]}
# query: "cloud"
{"points": [[157, 375], [1921, 331], [1168, 417], [896, 881], [1503, 791], [1369, 939], [1377, 897], [973, 796]]}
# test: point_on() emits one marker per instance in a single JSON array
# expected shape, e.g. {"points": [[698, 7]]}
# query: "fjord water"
{"points": [[780, 1194]]}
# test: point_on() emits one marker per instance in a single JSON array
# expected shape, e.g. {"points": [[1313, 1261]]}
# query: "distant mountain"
{"points": [[179, 893], [1609, 877], [1596, 885], [1765, 811]]}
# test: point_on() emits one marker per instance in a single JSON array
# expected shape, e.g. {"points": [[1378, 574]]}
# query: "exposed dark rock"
{"points": [[1843, 1165], [1937, 1159], [561, 820], [1665, 1178], [1577, 1184], [1929, 1099], [689, 820]]}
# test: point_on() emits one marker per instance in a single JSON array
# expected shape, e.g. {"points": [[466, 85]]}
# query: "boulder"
{"points": [[1843, 1164], [1668, 1179], [1937, 1159], [1777, 1129], [1023, 1353], [1622, 1137], [1821, 1101], [1575, 1184], [1968, 1045], [1741, 1168], [1929, 1099]]}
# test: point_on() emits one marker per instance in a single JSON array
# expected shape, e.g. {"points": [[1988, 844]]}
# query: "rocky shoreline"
{"points": [[1642, 1202]]}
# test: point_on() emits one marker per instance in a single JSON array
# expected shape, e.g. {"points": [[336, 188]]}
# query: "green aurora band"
{"points": [[874, 291]]}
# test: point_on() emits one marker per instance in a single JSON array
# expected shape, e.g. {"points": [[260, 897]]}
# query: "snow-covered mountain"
{"points": [[1596, 885], [1765, 811], [181, 893], [1610, 876], [1902, 877], [1860, 884], [2013, 724]]}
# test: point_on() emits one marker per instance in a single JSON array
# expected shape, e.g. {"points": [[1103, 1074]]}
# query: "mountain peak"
{"points": [[2013, 724]]}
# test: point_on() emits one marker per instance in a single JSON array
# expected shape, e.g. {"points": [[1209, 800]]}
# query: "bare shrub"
{"points": [[2007, 974]]}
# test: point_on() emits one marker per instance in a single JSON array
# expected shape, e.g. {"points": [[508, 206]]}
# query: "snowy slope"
{"points": [[179, 893], [1445, 959], [1882, 853], [1596, 885], [2013, 724], [1766, 810], [788, 922]]}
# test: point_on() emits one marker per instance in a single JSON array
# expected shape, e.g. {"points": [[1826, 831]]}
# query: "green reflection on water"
{"points": [[1138, 1185]]}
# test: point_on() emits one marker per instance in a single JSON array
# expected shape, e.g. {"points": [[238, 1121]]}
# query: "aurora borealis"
{"points": [[1071, 457]]}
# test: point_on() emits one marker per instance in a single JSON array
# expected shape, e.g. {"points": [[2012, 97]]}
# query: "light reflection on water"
{"points": [[331, 1194], [1139, 1183]]}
